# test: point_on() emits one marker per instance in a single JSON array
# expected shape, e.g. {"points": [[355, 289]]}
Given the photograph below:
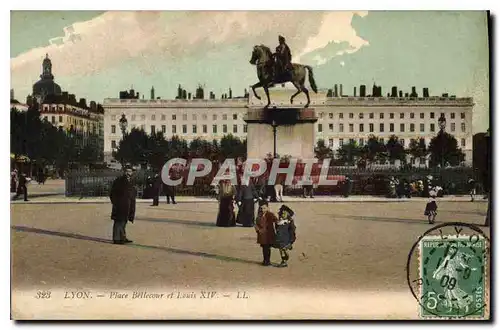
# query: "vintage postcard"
{"points": [[250, 165]]}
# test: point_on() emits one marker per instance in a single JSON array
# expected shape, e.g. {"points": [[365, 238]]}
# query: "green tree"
{"points": [[232, 147], [394, 149], [157, 150], [374, 150], [417, 149], [322, 151], [348, 153], [444, 149], [133, 148]]}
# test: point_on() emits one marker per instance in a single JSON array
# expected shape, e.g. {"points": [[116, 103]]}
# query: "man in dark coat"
{"points": [[283, 56], [347, 187], [247, 195], [156, 189], [21, 188], [265, 232], [170, 190], [122, 197]]}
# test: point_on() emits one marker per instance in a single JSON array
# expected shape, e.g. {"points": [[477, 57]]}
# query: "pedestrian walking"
{"points": [[246, 198], [156, 189], [347, 186], [471, 183], [13, 181], [307, 187], [170, 190], [225, 216], [122, 196], [431, 207], [265, 231], [285, 233], [278, 187], [22, 187]]}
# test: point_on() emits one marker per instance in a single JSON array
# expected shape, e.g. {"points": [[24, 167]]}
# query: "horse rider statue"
{"points": [[283, 57]]}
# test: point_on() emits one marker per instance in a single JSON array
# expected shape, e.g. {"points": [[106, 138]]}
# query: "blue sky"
{"points": [[97, 54]]}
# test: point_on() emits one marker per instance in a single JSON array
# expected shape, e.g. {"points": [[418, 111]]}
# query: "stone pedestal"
{"points": [[295, 132]]}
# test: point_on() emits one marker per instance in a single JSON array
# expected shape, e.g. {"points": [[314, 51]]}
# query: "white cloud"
{"points": [[336, 27], [89, 47]]}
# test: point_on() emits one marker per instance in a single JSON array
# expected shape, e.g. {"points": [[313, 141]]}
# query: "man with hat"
{"points": [[283, 56], [122, 196]]}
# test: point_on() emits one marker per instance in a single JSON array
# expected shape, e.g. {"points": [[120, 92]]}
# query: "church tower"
{"points": [[47, 68], [46, 85]]}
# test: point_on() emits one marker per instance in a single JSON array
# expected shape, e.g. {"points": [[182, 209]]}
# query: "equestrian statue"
{"points": [[277, 68]]}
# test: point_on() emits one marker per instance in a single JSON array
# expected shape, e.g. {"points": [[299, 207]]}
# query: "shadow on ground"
{"points": [[179, 222], [421, 221], [132, 245]]}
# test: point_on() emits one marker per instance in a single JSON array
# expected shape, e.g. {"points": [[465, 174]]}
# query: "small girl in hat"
{"points": [[431, 207], [285, 233]]}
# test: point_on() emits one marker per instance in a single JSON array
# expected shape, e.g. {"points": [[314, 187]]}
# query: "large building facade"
{"points": [[341, 119], [63, 110]]}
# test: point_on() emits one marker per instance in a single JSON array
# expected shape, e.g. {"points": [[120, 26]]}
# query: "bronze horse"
{"points": [[262, 57]]}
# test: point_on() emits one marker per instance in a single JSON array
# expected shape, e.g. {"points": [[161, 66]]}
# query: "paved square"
{"points": [[343, 250]]}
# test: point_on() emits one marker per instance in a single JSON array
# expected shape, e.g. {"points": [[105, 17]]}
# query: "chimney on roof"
{"points": [[362, 91], [355, 91], [230, 93], [400, 93], [413, 92], [341, 93], [152, 93], [394, 91], [335, 91], [189, 96], [83, 103], [425, 92], [406, 94]]}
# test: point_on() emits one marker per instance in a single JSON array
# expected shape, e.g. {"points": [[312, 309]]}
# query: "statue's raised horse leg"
{"points": [[266, 89], [257, 85]]}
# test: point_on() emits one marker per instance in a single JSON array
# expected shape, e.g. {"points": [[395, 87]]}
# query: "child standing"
{"points": [[265, 231], [431, 207], [285, 233]]}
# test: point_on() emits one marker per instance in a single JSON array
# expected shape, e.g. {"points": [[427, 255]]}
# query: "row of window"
{"points": [[73, 121], [361, 142], [204, 129], [371, 115], [174, 117], [381, 126]]}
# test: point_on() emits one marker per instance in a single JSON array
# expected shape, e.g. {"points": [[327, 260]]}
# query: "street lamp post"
{"points": [[274, 125], [442, 127], [123, 124]]}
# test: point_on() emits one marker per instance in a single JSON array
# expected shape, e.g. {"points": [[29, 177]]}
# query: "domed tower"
{"points": [[46, 85]]}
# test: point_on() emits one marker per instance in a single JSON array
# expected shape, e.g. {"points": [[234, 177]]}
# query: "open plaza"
{"points": [[347, 254]]}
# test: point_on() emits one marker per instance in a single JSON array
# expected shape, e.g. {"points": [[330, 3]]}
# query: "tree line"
{"points": [[44, 144], [443, 150], [139, 148]]}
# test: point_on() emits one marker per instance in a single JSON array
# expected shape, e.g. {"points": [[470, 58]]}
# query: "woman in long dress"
{"points": [[226, 217]]}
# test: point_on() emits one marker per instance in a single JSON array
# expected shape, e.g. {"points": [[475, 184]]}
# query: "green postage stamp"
{"points": [[453, 277]]}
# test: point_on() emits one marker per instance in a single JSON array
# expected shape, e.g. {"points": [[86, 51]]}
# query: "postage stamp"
{"points": [[453, 273]]}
